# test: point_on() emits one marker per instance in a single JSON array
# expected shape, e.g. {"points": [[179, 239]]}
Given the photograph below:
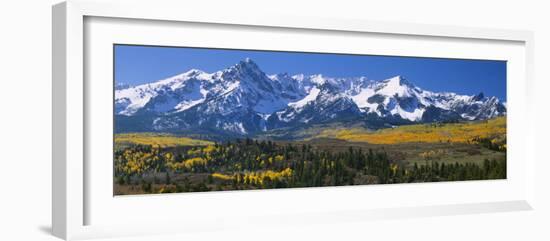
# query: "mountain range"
{"points": [[242, 100]]}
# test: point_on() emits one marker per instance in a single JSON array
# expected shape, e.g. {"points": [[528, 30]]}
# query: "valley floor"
{"points": [[164, 163]]}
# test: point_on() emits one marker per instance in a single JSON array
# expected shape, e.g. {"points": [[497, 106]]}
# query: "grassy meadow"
{"points": [[156, 139], [466, 132]]}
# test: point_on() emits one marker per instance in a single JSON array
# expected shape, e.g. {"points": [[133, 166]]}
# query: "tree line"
{"points": [[252, 164]]}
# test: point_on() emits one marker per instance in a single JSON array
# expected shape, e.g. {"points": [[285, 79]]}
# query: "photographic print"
{"points": [[192, 119]]}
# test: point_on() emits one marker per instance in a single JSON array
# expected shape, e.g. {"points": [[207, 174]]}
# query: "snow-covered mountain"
{"points": [[243, 100]]}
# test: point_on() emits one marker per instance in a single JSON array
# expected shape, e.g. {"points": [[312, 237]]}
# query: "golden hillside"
{"points": [[154, 139], [494, 129]]}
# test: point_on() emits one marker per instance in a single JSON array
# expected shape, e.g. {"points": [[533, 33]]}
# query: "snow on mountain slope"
{"points": [[361, 99], [313, 93], [325, 103], [394, 96], [394, 86], [243, 99], [175, 93]]}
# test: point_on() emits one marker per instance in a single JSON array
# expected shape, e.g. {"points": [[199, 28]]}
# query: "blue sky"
{"points": [[142, 64]]}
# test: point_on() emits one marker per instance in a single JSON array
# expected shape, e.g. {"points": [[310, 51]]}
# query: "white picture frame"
{"points": [[72, 192]]}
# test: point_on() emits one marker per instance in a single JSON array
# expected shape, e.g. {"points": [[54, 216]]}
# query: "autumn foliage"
{"points": [[467, 132], [251, 164]]}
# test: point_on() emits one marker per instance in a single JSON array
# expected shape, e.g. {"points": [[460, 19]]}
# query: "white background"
{"points": [[25, 123]]}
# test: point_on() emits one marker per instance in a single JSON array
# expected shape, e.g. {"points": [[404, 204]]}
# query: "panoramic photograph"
{"points": [[192, 119]]}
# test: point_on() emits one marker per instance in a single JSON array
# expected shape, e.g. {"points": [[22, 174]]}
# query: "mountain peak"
{"points": [[318, 79], [478, 97], [245, 67], [247, 62], [281, 77], [395, 86], [397, 81], [193, 72]]}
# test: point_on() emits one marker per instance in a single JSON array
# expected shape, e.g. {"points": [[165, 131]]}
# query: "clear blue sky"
{"points": [[142, 64]]}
